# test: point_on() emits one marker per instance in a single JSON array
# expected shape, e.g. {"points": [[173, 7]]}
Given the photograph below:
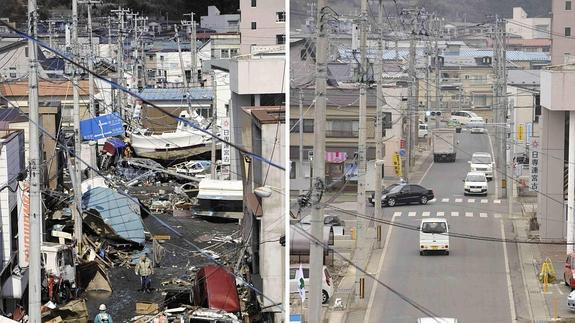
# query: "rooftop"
{"points": [[177, 94], [46, 88]]}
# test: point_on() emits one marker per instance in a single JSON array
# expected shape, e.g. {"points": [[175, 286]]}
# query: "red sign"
{"points": [[402, 144]]}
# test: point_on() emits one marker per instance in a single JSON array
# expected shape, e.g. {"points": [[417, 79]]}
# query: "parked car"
{"points": [[385, 190], [326, 281], [407, 193], [433, 236], [334, 221], [571, 301], [475, 183], [482, 162], [569, 270], [422, 130], [463, 116]]}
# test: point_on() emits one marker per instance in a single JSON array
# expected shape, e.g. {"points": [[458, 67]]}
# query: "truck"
{"points": [[443, 143], [58, 272]]}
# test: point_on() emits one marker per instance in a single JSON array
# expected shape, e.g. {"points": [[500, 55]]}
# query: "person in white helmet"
{"points": [[103, 316]]}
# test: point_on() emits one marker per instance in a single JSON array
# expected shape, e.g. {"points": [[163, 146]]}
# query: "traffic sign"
{"points": [[402, 153], [100, 127], [397, 164]]}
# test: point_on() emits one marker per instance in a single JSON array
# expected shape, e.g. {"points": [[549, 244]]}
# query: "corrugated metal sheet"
{"points": [[347, 55], [511, 55], [118, 211], [177, 94]]}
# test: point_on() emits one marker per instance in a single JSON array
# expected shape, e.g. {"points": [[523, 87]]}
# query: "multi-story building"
{"points": [[528, 27], [228, 23], [225, 45], [557, 127], [262, 24]]}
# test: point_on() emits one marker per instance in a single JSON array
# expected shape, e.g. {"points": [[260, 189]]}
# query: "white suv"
{"points": [[326, 283], [475, 183], [463, 116], [482, 162]]}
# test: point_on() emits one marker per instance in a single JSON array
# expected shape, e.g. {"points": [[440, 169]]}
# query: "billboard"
{"points": [[101, 127]]}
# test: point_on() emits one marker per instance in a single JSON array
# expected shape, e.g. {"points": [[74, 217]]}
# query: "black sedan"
{"points": [[405, 194]]}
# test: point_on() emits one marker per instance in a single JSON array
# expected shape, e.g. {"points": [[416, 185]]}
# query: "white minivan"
{"points": [[463, 116], [433, 236], [326, 284]]}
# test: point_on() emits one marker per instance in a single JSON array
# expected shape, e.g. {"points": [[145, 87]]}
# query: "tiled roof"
{"points": [[46, 88], [177, 94]]}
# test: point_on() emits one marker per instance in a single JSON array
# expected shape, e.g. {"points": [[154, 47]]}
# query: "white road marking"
{"points": [[469, 214], [445, 200], [454, 213], [508, 274], [396, 214], [482, 215], [440, 214], [470, 200], [496, 215], [497, 201], [484, 200], [380, 266], [458, 200], [559, 288], [425, 214], [411, 214]]}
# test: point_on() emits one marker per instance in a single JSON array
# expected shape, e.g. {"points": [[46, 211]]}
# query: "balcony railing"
{"points": [[342, 133]]}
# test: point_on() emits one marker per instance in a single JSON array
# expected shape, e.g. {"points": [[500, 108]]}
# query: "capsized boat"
{"points": [[185, 142]]}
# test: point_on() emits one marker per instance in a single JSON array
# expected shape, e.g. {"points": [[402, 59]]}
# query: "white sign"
{"points": [[226, 149], [534, 164]]}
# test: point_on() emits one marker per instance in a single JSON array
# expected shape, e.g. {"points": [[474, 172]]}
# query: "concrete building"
{"points": [[220, 23], [262, 24], [13, 61], [266, 127], [557, 127], [225, 46], [527, 27]]}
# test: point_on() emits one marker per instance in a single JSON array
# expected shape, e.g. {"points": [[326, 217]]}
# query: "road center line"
{"points": [[508, 274], [383, 253]]}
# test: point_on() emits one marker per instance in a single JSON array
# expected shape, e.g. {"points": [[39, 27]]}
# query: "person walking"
{"points": [[103, 316], [144, 269]]}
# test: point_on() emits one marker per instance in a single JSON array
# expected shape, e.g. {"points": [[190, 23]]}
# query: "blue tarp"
{"points": [[104, 126], [118, 211]]}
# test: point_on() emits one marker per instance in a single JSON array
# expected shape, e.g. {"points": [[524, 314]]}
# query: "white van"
{"points": [[433, 236], [463, 116], [326, 284], [422, 130]]}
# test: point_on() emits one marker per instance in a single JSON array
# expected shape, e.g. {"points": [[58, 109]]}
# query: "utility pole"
{"points": [[500, 97], [50, 32], [34, 278], [301, 172], [77, 210], [437, 32], [182, 67], [316, 250], [379, 120], [93, 112], [411, 108], [362, 224], [214, 123], [121, 12], [193, 49]]}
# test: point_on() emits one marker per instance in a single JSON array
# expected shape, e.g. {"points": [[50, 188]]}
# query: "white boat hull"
{"points": [[170, 146]]}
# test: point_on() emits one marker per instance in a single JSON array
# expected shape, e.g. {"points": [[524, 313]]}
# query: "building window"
{"points": [[307, 125], [233, 52], [292, 168], [254, 2], [342, 128], [568, 5], [225, 53], [162, 58], [567, 31], [280, 39], [253, 25], [280, 16]]}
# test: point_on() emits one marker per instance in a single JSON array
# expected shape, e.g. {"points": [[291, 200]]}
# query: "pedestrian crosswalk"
{"points": [[468, 200], [414, 214]]}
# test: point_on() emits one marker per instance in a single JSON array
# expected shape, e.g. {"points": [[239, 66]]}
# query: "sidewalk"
{"points": [[365, 257], [550, 306]]}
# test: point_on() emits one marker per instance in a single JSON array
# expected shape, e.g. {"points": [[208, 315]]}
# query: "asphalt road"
{"points": [[471, 284]]}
